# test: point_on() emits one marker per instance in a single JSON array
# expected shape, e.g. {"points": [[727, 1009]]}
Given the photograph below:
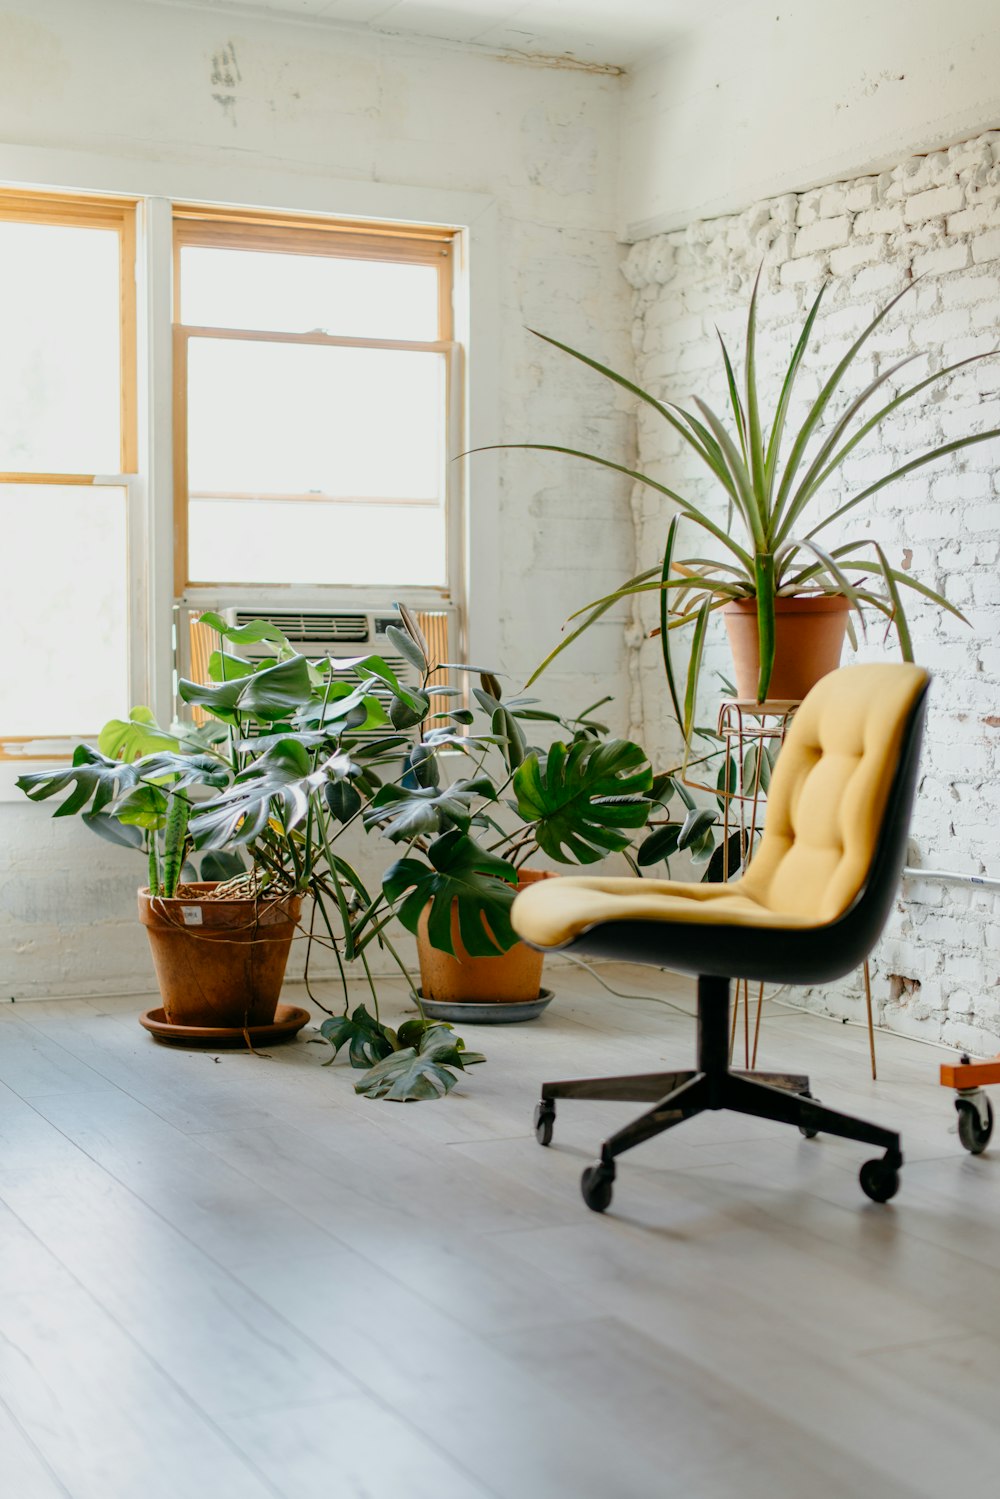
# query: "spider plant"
{"points": [[778, 484]]}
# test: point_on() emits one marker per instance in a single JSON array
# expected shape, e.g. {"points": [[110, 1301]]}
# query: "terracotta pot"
{"points": [[515, 977], [219, 962], [808, 641]]}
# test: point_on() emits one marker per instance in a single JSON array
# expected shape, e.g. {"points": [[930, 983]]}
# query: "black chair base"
{"points": [[677, 1096]]}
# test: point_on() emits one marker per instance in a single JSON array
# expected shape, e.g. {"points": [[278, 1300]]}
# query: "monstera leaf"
{"points": [[270, 694], [408, 812], [420, 1071], [366, 1039], [184, 770], [139, 734], [579, 797], [281, 780], [91, 774], [461, 872]]}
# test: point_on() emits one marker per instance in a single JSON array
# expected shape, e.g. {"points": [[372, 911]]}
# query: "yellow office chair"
{"points": [[808, 910]]}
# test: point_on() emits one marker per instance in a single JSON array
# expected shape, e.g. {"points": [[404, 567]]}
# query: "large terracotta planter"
{"points": [[515, 977], [219, 962], [809, 639]]}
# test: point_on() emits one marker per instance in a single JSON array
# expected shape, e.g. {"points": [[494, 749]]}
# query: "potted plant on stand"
{"points": [[784, 594], [468, 845]]}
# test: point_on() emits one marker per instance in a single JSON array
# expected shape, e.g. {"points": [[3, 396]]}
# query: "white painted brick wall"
{"points": [[937, 217]]}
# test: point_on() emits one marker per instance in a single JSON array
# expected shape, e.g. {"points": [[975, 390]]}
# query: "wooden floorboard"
{"points": [[229, 1276]]}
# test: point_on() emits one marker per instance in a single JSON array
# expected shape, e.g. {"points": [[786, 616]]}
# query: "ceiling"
{"points": [[612, 33]]}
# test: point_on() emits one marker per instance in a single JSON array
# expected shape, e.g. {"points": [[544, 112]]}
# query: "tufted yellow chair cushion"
{"points": [[824, 815]]}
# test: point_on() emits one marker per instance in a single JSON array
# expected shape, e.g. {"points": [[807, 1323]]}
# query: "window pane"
{"points": [[60, 409], [65, 617], [298, 419], [278, 293], [313, 541]]}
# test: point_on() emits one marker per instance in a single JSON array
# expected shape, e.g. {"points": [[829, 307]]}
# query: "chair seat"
{"points": [[554, 913]]}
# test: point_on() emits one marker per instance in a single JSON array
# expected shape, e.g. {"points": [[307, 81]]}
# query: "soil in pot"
{"points": [[219, 962], [514, 977], [809, 640]]}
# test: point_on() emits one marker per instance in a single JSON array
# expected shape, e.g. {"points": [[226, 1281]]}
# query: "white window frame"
{"points": [[474, 417]]}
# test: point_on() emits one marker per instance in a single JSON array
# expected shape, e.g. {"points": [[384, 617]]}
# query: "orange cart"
{"points": [[975, 1112]]}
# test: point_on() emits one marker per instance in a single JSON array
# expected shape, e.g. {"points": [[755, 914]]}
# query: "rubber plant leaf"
{"points": [[580, 796], [459, 872], [407, 647]]}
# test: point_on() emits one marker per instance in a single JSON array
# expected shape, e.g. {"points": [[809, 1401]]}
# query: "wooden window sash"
{"points": [[82, 212], [289, 234]]}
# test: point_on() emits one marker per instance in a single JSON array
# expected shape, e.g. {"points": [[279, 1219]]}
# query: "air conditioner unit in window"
{"points": [[319, 632]]}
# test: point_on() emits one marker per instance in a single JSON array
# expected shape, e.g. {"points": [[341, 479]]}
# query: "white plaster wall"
{"points": [[936, 217], [187, 87], [767, 98]]}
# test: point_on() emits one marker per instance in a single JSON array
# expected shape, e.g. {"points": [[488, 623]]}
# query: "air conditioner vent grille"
{"points": [[306, 626]]}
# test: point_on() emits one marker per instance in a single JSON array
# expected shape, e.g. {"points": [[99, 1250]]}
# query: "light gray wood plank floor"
{"points": [[227, 1275]]}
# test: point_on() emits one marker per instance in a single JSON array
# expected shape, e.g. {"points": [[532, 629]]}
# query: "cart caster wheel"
{"points": [[596, 1186], [806, 1130], [879, 1180], [545, 1115], [974, 1135]]}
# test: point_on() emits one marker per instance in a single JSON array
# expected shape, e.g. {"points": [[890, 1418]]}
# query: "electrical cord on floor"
{"points": [[774, 998]]}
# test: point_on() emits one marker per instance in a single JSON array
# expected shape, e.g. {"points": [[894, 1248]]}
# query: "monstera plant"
{"points": [[469, 843], [295, 759]]}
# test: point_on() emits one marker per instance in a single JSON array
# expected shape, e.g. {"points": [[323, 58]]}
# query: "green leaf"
{"points": [[223, 667], [252, 633], [696, 824], [142, 807], [183, 771], [513, 744], [280, 781], [222, 867], [139, 734], [729, 853], [421, 1072], [459, 872], [659, 845], [342, 799], [272, 693], [366, 1038], [579, 797], [412, 628], [412, 812], [756, 755], [94, 778], [694, 668], [408, 709], [407, 648]]}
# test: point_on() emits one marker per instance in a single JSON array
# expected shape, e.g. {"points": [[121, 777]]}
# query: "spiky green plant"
{"points": [[775, 489]]}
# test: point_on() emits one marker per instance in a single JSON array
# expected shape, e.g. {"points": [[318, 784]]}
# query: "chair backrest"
{"points": [[829, 797]]}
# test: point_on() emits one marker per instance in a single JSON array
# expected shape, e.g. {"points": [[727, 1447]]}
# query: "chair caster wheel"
{"points": [[806, 1130], [973, 1132], [545, 1114], [879, 1180], [596, 1184]]}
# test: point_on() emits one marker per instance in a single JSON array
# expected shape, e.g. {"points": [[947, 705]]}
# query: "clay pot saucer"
{"points": [[288, 1021], [488, 1012]]}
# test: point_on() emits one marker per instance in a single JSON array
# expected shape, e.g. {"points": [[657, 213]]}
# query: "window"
{"points": [[313, 367], [67, 452]]}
